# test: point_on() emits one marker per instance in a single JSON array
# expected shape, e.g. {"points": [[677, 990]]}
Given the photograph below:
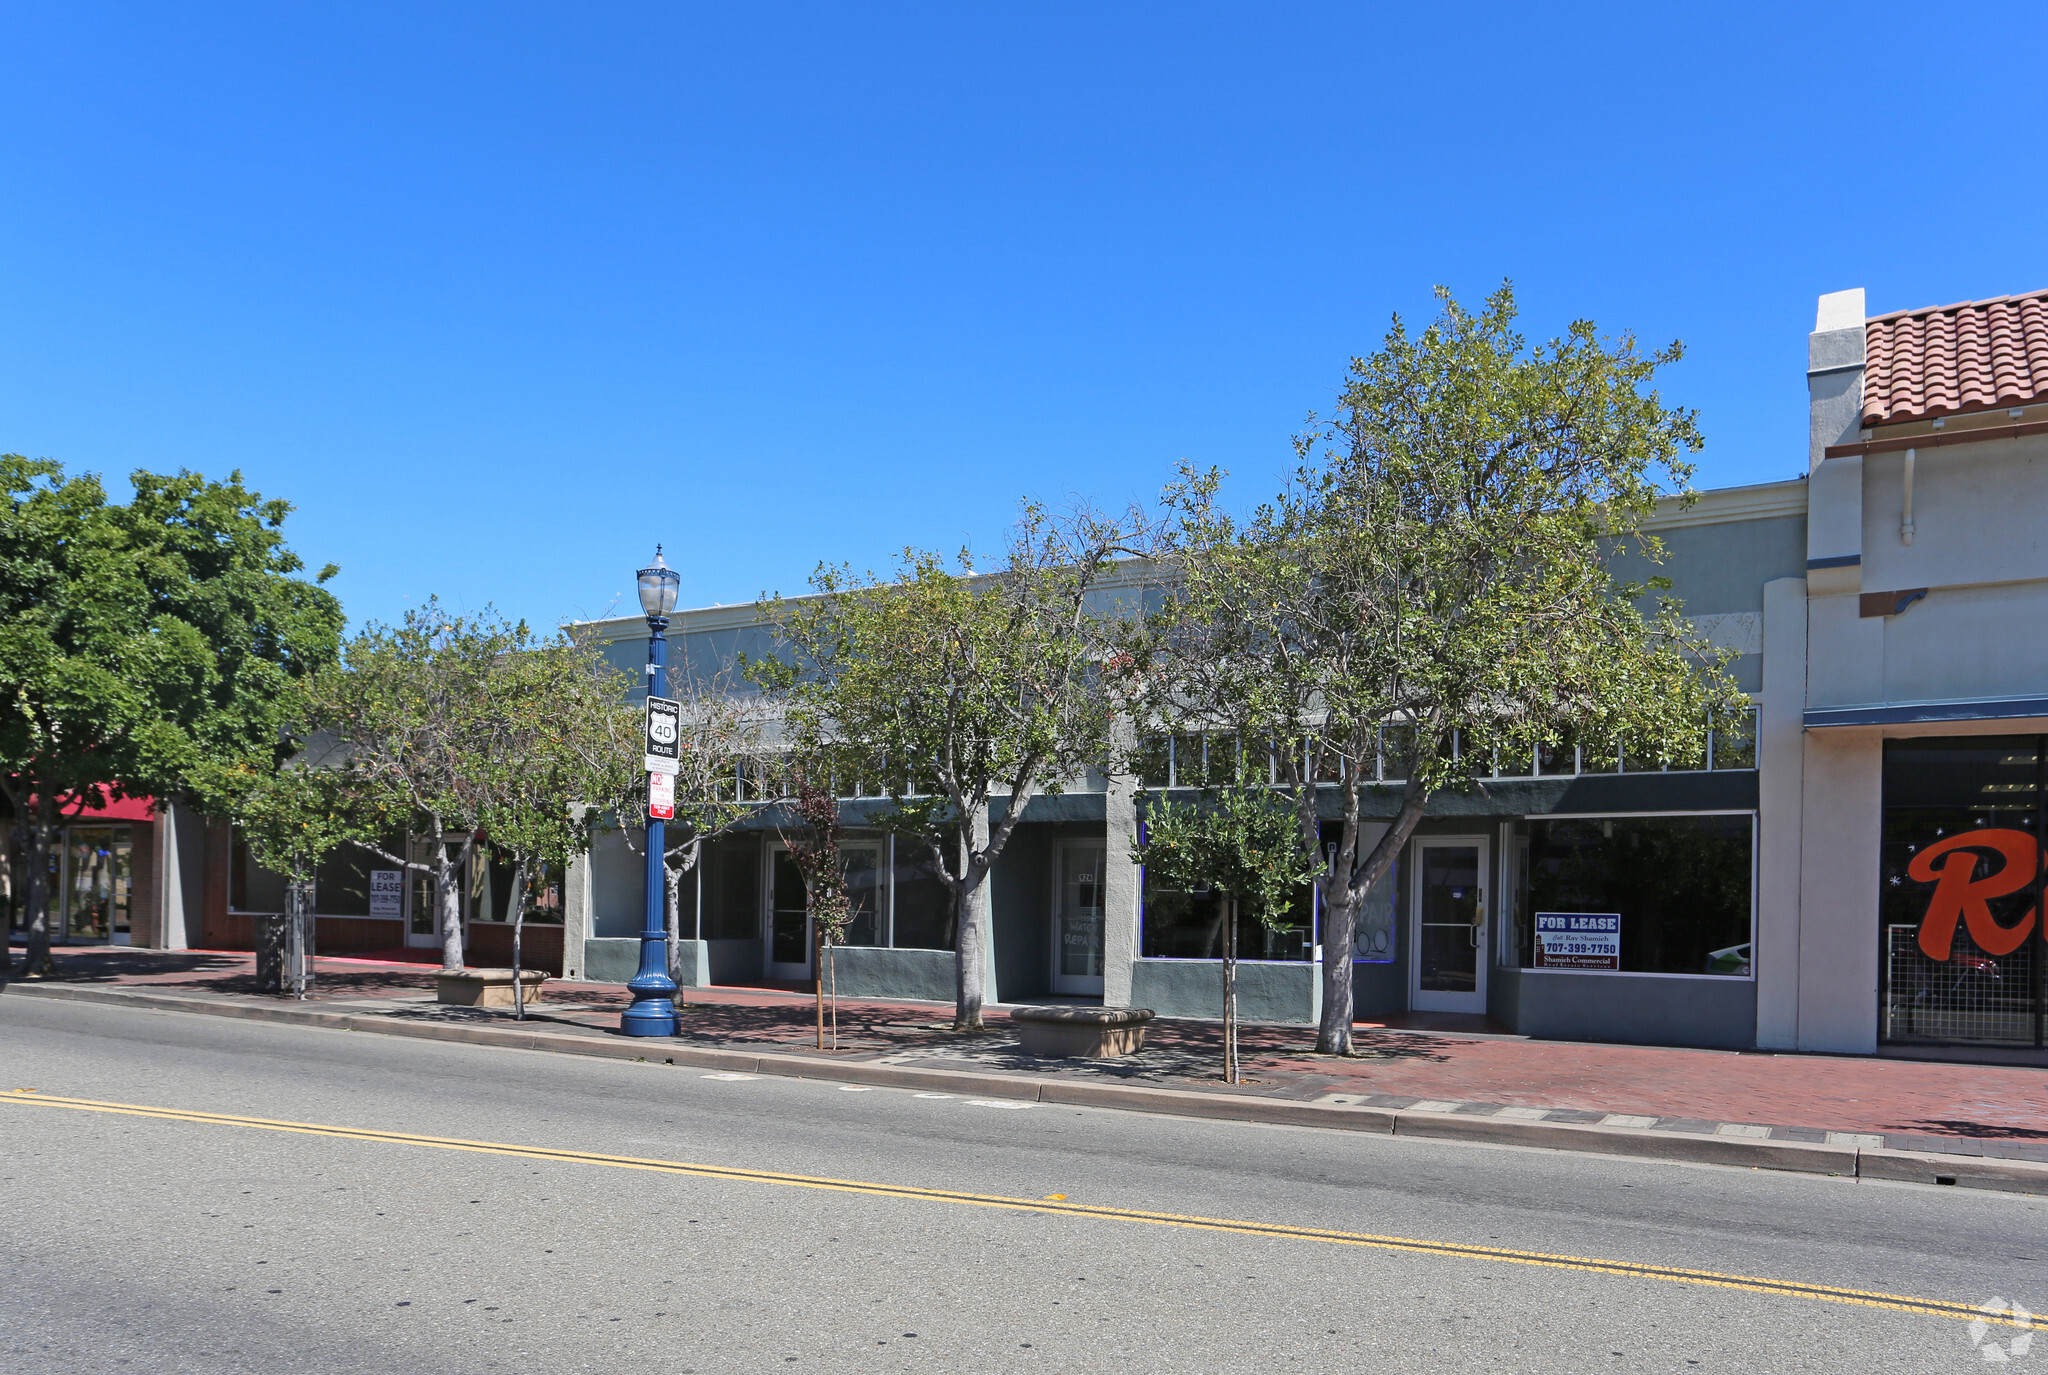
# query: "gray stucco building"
{"points": [[1778, 894], [1858, 867]]}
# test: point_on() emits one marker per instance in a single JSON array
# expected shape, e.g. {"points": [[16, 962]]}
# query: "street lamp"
{"points": [[653, 1010]]}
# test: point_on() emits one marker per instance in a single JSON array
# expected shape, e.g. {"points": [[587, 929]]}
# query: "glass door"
{"points": [[1077, 921], [95, 886], [422, 914], [791, 939], [789, 920], [1449, 902]]}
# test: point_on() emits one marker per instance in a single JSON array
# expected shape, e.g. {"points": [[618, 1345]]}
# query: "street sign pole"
{"points": [[653, 1011]]}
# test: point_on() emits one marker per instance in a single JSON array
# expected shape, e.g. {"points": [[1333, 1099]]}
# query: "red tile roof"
{"points": [[1972, 356]]}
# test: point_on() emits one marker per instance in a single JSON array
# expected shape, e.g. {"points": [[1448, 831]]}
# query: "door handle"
{"points": [[1478, 918]]}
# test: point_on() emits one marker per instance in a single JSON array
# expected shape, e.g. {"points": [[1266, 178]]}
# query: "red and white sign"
{"points": [[661, 796]]}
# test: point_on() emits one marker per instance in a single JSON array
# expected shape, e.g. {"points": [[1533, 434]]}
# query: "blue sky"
{"points": [[499, 296]]}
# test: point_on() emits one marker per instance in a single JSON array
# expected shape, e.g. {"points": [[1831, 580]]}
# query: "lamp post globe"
{"points": [[653, 1009], [658, 586]]}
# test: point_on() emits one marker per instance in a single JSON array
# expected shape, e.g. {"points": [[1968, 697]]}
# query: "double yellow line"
{"points": [[1823, 1293]]}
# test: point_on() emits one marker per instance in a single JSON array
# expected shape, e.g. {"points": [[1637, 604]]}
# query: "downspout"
{"points": [[1906, 520]]}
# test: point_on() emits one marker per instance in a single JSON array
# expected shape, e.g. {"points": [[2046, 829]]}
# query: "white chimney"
{"points": [[1834, 373]]}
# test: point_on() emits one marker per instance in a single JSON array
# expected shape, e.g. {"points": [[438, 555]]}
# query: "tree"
{"points": [[289, 809], [140, 645], [954, 687], [721, 776], [814, 837], [1432, 591], [429, 715], [1240, 843], [561, 743]]}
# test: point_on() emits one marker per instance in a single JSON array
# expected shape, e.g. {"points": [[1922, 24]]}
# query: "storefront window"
{"points": [[492, 899], [1959, 891], [13, 877], [732, 889], [341, 881], [923, 915], [1189, 926], [1635, 894]]}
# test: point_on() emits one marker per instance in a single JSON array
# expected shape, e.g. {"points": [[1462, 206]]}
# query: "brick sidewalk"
{"points": [[1915, 1105]]}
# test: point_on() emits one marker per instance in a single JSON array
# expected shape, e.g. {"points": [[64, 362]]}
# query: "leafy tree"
{"points": [[560, 744], [142, 646], [955, 687], [291, 812], [1240, 843], [429, 716], [1432, 592]]}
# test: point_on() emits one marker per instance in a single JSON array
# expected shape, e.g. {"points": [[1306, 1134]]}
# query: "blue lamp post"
{"points": [[653, 1011]]}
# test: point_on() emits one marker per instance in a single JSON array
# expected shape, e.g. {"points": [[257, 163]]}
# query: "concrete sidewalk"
{"points": [[1945, 1121]]}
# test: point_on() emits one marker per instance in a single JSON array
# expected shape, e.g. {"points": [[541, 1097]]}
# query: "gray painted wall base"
{"points": [[614, 960], [610, 960], [862, 971], [734, 962], [693, 963], [1714, 1013], [1378, 990], [1266, 991]]}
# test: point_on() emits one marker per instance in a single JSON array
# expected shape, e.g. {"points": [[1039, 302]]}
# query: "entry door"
{"points": [[92, 894], [790, 941], [1449, 898], [1077, 922], [423, 912], [788, 953]]}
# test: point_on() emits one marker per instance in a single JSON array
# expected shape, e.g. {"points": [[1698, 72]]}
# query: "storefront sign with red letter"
{"points": [[1950, 864]]}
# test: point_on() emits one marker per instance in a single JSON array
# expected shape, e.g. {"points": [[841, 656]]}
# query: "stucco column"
{"points": [[1841, 828], [1121, 895], [575, 913], [1781, 767]]}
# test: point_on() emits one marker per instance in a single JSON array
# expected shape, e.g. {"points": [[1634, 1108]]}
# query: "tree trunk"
{"points": [[1344, 894], [818, 973], [518, 901], [1230, 1069], [672, 916], [968, 984], [36, 960], [448, 897]]}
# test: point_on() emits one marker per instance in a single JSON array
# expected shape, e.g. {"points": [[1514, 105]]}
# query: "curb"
{"points": [[1912, 1167]]}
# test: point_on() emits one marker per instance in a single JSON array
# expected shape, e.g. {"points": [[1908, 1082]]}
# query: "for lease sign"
{"points": [[1578, 940], [387, 892]]}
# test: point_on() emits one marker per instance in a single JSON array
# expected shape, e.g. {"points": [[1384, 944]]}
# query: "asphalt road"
{"points": [[138, 1243]]}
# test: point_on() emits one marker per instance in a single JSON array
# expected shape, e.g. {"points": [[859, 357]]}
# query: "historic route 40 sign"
{"points": [[664, 735]]}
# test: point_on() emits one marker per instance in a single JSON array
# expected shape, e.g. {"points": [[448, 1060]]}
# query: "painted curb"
{"points": [[1914, 1167]]}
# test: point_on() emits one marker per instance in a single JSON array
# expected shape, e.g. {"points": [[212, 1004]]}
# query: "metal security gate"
{"points": [[1969, 998]]}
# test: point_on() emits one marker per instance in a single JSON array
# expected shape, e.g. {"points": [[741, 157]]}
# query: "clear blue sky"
{"points": [[501, 295]]}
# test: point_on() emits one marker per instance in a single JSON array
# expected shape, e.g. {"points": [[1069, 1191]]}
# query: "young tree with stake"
{"points": [[814, 837], [1238, 842]]}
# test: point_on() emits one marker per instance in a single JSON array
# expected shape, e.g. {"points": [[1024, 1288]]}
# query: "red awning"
{"points": [[127, 809]]}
